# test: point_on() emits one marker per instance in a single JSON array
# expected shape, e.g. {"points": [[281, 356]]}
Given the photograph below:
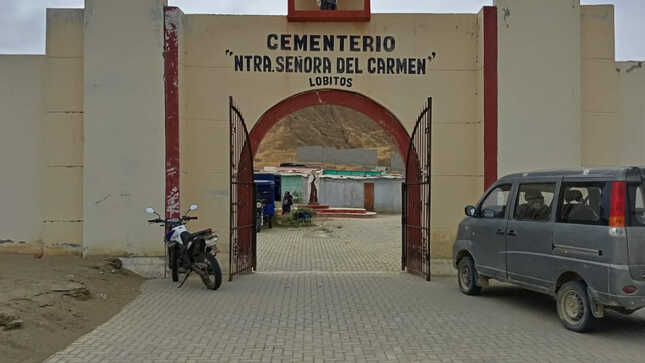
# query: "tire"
{"points": [[172, 257], [467, 277], [258, 224], [574, 307], [214, 278]]}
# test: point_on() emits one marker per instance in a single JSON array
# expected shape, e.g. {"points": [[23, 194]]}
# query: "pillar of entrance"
{"points": [[124, 152], [539, 85]]}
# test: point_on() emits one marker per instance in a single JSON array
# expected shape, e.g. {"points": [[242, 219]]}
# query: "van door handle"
{"points": [[500, 231], [512, 233]]}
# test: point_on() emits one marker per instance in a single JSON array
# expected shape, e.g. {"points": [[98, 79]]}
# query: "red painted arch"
{"points": [[352, 100]]}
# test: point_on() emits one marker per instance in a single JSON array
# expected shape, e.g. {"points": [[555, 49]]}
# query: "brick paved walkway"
{"points": [[334, 245], [338, 313]]}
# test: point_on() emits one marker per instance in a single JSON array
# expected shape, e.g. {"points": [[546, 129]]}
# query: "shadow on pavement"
{"points": [[533, 302]]}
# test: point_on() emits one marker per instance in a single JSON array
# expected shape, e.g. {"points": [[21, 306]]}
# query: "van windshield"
{"points": [[636, 204]]}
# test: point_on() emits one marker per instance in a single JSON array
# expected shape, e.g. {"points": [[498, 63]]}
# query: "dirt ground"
{"points": [[58, 298]]}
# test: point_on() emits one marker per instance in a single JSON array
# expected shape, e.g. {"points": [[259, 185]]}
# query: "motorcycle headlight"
{"points": [[211, 240], [258, 204]]}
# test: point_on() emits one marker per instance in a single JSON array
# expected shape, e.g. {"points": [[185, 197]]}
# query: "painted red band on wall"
{"points": [[490, 95], [329, 15], [171, 79]]}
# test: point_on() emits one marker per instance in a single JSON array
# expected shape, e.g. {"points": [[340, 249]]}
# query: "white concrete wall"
{"points": [[62, 127], [341, 193], [601, 126], [124, 153], [21, 112], [613, 118], [631, 108], [539, 84], [387, 196]]}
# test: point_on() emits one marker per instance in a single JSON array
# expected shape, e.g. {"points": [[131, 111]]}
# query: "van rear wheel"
{"points": [[574, 307], [467, 277]]}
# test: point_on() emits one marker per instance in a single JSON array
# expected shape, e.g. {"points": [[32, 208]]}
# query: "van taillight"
{"points": [[617, 204], [630, 289]]}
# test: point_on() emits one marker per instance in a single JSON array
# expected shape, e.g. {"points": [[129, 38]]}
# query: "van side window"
{"points": [[534, 202], [496, 201], [584, 203], [637, 205]]}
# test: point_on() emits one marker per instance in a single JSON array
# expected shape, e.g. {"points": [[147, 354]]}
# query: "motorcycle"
{"points": [[190, 252], [259, 215]]}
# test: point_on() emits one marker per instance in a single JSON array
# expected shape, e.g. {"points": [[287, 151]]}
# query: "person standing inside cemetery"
{"points": [[287, 201]]}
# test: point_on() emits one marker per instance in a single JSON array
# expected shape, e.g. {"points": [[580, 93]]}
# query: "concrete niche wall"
{"points": [[350, 193], [330, 155]]}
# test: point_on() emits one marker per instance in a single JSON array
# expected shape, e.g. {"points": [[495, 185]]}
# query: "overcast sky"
{"points": [[22, 22]]}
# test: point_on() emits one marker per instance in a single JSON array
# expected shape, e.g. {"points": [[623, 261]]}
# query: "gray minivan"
{"points": [[578, 235]]}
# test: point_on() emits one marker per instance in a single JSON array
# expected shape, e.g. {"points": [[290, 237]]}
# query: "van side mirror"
{"points": [[471, 211], [488, 213]]}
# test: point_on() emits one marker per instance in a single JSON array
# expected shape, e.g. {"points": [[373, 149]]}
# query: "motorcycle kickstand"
{"points": [[185, 278]]}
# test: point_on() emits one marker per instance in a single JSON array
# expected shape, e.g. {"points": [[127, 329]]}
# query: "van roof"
{"points": [[613, 173]]}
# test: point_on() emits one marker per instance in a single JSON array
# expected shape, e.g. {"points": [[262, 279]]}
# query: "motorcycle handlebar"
{"points": [[172, 220]]}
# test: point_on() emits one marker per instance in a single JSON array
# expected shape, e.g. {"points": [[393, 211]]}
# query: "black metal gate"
{"points": [[416, 198], [242, 250]]}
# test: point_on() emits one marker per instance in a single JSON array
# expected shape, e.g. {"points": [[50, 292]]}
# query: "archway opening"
{"points": [[352, 100], [325, 103]]}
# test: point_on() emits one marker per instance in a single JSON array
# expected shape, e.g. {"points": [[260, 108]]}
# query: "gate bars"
{"points": [[416, 190], [242, 236]]}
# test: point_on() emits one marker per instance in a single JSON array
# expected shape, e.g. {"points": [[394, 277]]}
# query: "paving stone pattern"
{"points": [[372, 244], [334, 312]]}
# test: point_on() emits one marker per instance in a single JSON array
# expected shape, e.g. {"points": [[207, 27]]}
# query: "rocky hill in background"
{"points": [[328, 126]]}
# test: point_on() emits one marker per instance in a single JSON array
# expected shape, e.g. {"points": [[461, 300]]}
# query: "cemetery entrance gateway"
{"points": [[415, 150]]}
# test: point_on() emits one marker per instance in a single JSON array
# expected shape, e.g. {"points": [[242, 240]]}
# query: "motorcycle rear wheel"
{"points": [[213, 280]]}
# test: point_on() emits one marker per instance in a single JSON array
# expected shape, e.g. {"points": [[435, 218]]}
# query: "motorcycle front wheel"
{"points": [[213, 280], [258, 224], [173, 254]]}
